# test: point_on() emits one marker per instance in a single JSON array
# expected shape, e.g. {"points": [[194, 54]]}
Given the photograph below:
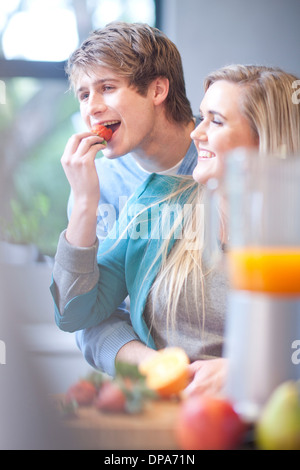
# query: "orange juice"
{"points": [[265, 269]]}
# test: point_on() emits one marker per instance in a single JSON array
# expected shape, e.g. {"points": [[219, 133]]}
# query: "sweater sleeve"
{"points": [[82, 295], [101, 343], [75, 271]]}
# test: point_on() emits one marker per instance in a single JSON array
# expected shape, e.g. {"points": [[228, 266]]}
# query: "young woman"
{"points": [[175, 299]]}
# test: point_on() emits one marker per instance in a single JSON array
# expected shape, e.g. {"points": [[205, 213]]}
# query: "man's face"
{"points": [[105, 98]]}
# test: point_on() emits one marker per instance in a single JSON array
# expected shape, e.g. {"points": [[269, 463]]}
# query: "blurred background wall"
{"points": [[213, 33]]}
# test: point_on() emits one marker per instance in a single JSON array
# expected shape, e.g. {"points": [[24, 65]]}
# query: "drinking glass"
{"points": [[259, 197]]}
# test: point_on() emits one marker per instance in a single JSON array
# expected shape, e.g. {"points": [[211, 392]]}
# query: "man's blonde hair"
{"points": [[139, 53]]}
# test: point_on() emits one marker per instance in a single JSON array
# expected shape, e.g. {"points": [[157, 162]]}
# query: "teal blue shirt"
{"points": [[127, 259]]}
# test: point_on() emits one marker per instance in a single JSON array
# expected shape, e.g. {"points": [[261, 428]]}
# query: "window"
{"points": [[37, 113], [50, 30]]}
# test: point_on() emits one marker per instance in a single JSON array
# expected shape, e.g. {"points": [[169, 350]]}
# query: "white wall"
{"points": [[213, 33], [51, 353]]}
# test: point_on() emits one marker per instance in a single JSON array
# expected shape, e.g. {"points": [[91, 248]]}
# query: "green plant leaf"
{"points": [[124, 369]]}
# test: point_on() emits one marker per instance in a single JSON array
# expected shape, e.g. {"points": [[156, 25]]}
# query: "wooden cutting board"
{"points": [[153, 428]]}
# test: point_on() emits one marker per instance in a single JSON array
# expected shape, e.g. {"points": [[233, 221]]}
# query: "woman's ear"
{"points": [[160, 90]]}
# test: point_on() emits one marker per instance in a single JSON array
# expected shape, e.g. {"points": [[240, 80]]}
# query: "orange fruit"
{"points": [[166, 372]]}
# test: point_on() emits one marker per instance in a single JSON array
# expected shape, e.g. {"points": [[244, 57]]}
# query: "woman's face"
{"points": [[222, 128]]}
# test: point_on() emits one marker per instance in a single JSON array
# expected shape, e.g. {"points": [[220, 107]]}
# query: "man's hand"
{"points": [[78, 162]]}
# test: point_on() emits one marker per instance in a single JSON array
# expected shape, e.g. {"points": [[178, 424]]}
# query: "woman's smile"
{"points": [[223, 128], [205, 154]]}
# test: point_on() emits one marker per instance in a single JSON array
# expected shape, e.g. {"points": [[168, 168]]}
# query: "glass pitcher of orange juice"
{"points": [[260, 200]]}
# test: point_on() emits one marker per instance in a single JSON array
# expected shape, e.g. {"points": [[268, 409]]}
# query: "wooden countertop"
{"points": [[152, 429]]}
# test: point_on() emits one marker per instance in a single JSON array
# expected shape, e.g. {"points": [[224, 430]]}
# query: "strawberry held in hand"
{"points": [[102, 131]]}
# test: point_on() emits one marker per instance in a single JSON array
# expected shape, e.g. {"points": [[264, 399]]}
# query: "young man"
{"points": [[128, 77]]}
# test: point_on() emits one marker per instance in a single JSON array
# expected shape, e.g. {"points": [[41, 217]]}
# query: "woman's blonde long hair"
{"points": [[267, 103], [183, 263]]}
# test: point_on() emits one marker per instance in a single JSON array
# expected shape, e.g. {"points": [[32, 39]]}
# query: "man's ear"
{"points": [[160, 90]]}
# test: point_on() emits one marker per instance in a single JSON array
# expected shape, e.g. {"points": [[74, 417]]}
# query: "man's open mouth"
{"points": [[113, 125]]}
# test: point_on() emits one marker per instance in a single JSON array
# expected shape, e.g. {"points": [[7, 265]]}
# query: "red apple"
{"points": [[110, 398], [83, 393], [208, 423]]}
